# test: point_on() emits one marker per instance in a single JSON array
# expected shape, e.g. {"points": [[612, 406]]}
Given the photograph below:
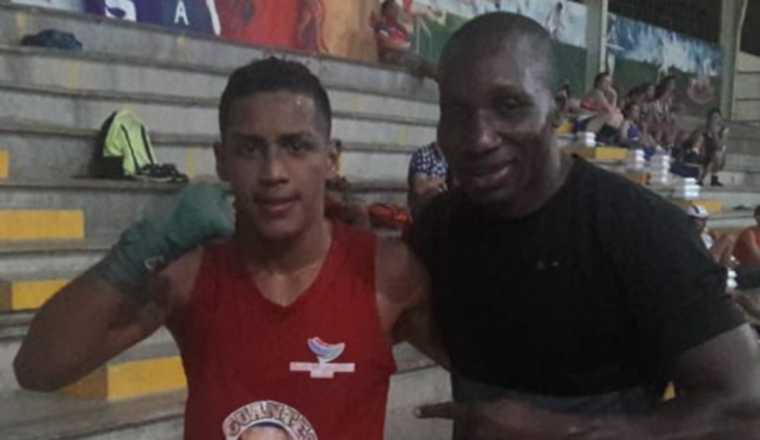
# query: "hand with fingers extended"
{"points": [[203, 212], [509, 419]]}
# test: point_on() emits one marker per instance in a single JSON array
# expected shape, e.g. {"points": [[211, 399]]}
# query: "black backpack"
{"points": [[53, 39]]}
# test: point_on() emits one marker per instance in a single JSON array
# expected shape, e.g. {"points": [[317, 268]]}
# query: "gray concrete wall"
{"points": [[65, 5], [747, 105]]}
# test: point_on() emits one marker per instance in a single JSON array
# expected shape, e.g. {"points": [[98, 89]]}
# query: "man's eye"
{"points": [[298, 145], [248, 149], [508, 106]]}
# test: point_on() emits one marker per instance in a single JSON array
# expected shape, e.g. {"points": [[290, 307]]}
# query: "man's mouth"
{"points": [[275, 206], [491, 177]]}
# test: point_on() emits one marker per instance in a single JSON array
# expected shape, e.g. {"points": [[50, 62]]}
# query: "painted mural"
{"points": [[191, 15], [335, 27], [640, 52], [637, 52]]}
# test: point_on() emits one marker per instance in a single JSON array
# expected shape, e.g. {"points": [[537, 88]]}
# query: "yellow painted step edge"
{"points": [[598, 153], [712, 206], [4, 164], [27, 295], [131, 379], [42, 224]]}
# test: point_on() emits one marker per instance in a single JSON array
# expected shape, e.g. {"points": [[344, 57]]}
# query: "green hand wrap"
{"points": [[203, 212]]}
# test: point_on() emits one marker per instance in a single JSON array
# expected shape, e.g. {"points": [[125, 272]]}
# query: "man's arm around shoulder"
{"points": [[403, 288]]}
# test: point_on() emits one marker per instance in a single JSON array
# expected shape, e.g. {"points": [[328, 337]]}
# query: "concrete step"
{"points": [[143, 370], [110, 206], [123, 39], [740, 161], [49, 416], [195, 116], [104, 72], [731, 220], [13, 326], [19, 294], [713, 206], [118, 372], [739, 177], [733, 197], [61, 152], [4, 164], [41, 224], [27, 260]]}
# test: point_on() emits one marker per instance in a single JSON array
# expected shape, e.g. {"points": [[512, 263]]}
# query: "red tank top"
{"points": [[319, 368]]}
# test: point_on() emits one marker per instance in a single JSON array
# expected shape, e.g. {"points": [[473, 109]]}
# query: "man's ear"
{"points": [[221, 161]]}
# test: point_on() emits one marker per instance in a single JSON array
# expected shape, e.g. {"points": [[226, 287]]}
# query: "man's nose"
{"points": [[272, 170], [484, 136]]}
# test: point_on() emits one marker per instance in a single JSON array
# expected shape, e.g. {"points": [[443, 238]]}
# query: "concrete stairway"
{"points": [[51, 106]]}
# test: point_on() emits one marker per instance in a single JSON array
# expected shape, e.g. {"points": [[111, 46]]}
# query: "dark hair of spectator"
{"points": [[274, 75], [713, 111], [385, 5], [629, 108], [662, 86], [757, 211], [599, 78]]}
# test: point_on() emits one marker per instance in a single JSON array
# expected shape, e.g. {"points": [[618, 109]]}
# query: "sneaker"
{"points": [[166, 173], [714, 181]]}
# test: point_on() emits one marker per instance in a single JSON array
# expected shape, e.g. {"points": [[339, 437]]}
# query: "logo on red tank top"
{"points": [[268, 420], [326, 354]]}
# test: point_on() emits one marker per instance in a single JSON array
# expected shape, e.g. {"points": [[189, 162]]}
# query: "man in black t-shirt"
{"points": [[566, 296]]}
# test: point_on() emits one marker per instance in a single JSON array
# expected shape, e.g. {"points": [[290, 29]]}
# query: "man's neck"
{"points": [[285, 256]]}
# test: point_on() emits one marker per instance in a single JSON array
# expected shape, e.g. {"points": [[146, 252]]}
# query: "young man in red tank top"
{"points": [[285, 328]]}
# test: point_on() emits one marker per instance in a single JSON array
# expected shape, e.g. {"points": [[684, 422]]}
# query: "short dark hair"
{"points": [[385, 5], [600, 76], [485, 34], [714, 111], [272, 75], [629, 108], [757, 211], [662, 86]]}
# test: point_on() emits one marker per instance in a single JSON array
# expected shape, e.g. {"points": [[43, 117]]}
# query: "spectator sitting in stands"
{"points": [[428, 174], [394, 42], [721, 248], [601, 102], [648, 94], [748, 245], [708, 144], [723, 251], [642, 95], [633, 133], [566, 104], [660, 114]]}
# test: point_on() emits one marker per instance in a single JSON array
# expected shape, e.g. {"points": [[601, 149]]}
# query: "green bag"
{"points": [[125, 146]]}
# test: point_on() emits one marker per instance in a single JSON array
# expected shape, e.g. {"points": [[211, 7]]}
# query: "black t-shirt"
{"points": [[599, 290]]}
